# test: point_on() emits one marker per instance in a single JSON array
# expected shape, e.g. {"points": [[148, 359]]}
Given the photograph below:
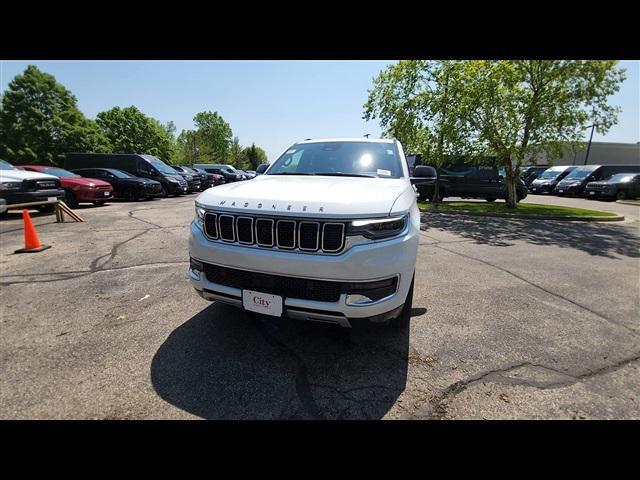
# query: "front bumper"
{"points": [[599, 193], [541, 189], [562, 190], [360, 263], [177, 188], [15, 197], [92, 194]]}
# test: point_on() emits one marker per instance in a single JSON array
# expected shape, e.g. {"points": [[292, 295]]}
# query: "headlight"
{"points": [[92, 185], [200, 215], [173, 180], [10, 185], [378, 228]]}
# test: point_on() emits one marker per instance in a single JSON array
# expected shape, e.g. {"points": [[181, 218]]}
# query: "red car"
{"points": [[77, 189]]}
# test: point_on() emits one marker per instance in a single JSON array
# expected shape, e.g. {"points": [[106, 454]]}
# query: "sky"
{"points": [[271, 103]]}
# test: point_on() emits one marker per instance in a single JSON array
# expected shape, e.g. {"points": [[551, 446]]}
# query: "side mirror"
{"points": [[422, 174], [262, 168]]}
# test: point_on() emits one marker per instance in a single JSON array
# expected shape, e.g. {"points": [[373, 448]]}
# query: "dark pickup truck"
{"points": [[18, 186], [469, 181]]}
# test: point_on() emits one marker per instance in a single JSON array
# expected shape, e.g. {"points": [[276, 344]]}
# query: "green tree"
{"points": [[131, 131], [187, 148], [508, 109], [254, 156], [214, 137], [411, 99], [236, 154], [40, 121]]}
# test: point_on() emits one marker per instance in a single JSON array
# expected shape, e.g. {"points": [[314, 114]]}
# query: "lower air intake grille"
{"points": [[302, 288]]}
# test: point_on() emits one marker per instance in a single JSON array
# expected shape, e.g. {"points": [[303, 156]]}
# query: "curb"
{"points": [[624, 202], [615, 218]]}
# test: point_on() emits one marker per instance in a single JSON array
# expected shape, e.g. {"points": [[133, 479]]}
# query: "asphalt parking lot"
{"points": [[512, 319]]}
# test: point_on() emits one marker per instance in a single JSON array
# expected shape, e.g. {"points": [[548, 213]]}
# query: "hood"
{"points": [[18, 175], [84, 181], [543, 181], [308, 196]]}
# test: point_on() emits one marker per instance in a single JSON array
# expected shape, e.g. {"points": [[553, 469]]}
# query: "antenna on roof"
{"points": [[367, 135]]}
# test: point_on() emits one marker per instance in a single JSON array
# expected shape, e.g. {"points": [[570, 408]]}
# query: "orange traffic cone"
{"points": [[31, 241]]}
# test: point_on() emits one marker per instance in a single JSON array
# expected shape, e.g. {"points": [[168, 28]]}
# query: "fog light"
{"points": [[357, 299], [196, 265]]}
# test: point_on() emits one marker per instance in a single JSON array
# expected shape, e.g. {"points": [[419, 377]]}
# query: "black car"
{"points": [[529, 174], [619, 186], [202, 177], [125, 185], [548, 179], [194, 183], [143, 166], [227, 171], [469, 181], [211, 179], [577, 180]]}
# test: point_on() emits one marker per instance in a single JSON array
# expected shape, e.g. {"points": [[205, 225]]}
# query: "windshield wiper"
{"points": [[341, 174], [291, 173]]}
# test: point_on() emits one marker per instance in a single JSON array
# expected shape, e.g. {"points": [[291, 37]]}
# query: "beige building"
{"points": [[601, 153]]}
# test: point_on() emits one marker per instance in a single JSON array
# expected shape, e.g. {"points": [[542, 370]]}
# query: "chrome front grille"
{"points": [[281, 233]]}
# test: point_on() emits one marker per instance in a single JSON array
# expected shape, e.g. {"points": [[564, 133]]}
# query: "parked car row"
{"points": [[96, 177], [591, 181]]}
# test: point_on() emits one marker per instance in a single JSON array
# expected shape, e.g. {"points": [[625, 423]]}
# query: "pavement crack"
{"points": [[83, 273], [438, 410], [114, 250], [303, 387], [529, 282]]}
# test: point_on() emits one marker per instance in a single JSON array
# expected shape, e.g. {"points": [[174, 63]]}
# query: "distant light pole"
{"points": [[586, 157], [367, 135]]}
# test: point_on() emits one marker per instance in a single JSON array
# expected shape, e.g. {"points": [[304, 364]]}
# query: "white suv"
{"points": [[329, 233]]}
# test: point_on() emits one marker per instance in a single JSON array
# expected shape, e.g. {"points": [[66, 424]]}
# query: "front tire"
{"points": [[621, 195], [70, 199], [98, 203], [402, 320]]}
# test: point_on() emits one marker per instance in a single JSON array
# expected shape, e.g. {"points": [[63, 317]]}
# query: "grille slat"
{"points": [[286, 234], [211, 225], [264, 232], [309, 236], [283, 233], [244, 229], [227, 232], [332, 237]]}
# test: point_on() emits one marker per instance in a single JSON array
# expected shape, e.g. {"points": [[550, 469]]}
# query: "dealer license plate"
{"points": [[262, 303]]}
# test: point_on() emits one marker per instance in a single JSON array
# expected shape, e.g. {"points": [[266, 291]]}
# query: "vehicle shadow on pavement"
{"points": [[225, 364], [595, 238]]}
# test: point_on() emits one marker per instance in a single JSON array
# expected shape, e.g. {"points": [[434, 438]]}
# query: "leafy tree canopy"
{"points": [[40, 121], [214, 137], [131, 131], [508, 109]]}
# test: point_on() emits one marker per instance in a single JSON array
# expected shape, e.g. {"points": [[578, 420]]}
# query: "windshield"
{"points": [[367, 159], [549, 174], [621, 178], [6, 165], [161, 166], [579, 173], [60, 173]]}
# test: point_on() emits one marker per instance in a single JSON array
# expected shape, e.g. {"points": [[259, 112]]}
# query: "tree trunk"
{"points": [[511, 184], [436, 189]]}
